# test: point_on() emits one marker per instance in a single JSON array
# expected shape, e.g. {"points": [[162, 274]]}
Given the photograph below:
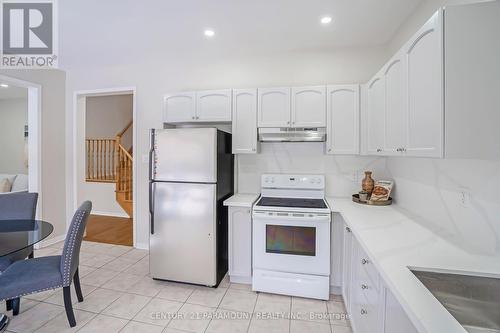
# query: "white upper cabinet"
{"points": [[273, 107], [342, 119], [404, 111], [396, 110], [375, 116], [424, 54], [180, 107], [309, 106], [213, 105], [204, 106], [244, 127]]}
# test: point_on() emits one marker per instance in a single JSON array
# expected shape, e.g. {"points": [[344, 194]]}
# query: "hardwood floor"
{"points": [[109, 229]]}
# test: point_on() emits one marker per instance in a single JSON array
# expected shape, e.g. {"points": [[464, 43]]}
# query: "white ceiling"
{"points": [[96, 32], [13, 92]]}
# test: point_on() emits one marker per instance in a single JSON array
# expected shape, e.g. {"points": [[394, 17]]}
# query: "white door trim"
{"points": [[106, 92], [34, 136]]}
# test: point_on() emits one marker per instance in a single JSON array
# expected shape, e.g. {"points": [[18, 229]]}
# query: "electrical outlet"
{"points": [[464, 197]]}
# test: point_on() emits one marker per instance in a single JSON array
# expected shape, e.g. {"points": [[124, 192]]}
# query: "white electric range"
{"points": [[291, 236]]}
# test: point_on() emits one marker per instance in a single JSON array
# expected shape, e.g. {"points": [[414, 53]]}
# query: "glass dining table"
{"points": [[17, 235]]}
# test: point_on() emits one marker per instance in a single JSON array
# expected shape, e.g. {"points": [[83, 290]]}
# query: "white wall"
{"points": [[13, 118], [152, 80], [53, 116]]}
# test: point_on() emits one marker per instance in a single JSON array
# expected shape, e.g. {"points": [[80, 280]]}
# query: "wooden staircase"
{"points": [[108, 161]]}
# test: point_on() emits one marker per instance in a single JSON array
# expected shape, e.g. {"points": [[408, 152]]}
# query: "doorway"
{"points": [[104, 163], [20, 137]]}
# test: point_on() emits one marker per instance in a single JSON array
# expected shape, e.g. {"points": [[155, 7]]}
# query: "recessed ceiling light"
{"points": [[4, 85], [209, 33], [326, 20]]}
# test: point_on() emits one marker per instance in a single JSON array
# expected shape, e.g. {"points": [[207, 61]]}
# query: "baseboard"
{"points": [[113, 214], [50, 241]]}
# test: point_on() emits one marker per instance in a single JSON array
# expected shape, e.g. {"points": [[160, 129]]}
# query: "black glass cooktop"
{"points": [[292, 202]]}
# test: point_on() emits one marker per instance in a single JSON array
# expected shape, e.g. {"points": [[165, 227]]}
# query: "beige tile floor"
{"points": [[119, 296]]}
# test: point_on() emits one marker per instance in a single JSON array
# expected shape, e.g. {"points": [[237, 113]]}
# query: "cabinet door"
{"points": [[213, 105], [375, 116], [240, 244], [337, 249], [395, 318], [179, 107], [274, 107], [347, 268], [244, 121], [424, 54], [342, 119], [396, 109], [309, 106]]}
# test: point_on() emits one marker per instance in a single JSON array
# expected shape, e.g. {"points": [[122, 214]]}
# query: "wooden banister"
{"points": [[120, 134], [101, 160], [124, 173]]}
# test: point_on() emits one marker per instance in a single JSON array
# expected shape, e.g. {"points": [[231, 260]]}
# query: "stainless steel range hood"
{"points": [[285, 134]]}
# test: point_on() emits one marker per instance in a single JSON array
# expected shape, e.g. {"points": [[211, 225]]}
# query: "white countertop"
{"points": [[241, 200], [395, 242]]}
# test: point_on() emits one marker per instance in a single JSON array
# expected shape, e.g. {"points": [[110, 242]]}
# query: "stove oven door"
{"points": [[291, 242]]}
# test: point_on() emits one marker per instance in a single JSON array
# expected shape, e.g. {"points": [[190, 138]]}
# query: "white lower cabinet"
{"points": [[395, 318], [240, 244], [371, 306]]}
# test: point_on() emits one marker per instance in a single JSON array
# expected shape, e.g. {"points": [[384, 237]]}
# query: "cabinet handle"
{"points": [[403, 149], [364, 261], [364, 286], [197, 117], [379, 150], [347, 229], [330, 149], [288, 123], [363, 312], [399, 149], [193, 117]]}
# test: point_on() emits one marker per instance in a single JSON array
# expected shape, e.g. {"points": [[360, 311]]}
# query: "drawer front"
{"points": [[367, 270]]}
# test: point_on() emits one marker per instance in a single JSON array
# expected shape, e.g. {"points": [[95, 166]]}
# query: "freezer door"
{"points": [[185, 155], [183, 240]]}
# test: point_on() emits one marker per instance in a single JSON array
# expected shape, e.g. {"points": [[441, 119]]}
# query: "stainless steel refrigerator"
{"points": [[191, 174]]}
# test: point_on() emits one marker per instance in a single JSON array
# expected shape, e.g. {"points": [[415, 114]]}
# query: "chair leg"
{"points": [[8, 303], [68, 306], [16, 303], [78, 289]]}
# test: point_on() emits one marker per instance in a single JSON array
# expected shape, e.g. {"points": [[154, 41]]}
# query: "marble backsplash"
{"points": [[343, 173], [457, 199]]}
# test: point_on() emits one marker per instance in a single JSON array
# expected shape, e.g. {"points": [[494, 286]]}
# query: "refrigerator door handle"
{"points": [[152, 207]]}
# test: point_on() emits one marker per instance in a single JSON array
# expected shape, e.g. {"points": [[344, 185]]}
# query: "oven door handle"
{"points": [[292, 217]]}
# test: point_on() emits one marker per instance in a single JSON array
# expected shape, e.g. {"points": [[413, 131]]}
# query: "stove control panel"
{"points": [[293, 181]]}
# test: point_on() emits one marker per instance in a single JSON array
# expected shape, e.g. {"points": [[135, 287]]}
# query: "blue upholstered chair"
{"points": [[17, 206], [36, 275]]}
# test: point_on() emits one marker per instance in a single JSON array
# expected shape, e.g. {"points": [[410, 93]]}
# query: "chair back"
{"points": [[71, 251], [18, 206]]}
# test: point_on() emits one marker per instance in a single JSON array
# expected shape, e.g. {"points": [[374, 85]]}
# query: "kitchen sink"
{"points": [[474, 301]]}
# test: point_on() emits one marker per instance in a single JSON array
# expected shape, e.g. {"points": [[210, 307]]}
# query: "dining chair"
{"points": [[17, 206], [45, 273]]}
